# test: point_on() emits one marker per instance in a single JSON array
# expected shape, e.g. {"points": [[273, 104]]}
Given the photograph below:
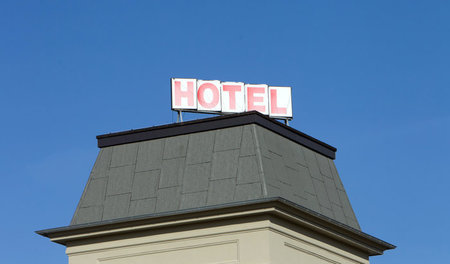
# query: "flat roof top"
{"points": [[213, 123]]}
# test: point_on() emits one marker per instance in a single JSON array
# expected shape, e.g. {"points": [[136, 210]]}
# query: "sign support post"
{"points": [[179, 117]]}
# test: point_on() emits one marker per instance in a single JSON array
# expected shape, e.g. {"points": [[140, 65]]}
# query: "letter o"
{"points": [[201, 95]]}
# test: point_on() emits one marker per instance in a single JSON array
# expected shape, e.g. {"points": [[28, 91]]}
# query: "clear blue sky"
{"points": [[371, 78]]}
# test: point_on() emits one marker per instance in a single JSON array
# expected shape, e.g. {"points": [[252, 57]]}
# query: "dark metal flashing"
{"points": [[374, 245], [214, 123]]}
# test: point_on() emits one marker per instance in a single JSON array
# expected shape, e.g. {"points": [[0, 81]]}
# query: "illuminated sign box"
{"points": [[231, 97]]}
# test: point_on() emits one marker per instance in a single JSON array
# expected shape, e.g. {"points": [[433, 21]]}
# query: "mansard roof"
{"points": [[209, 162]]}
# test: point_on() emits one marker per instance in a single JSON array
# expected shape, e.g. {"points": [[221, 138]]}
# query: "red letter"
{"points": [[232, 89], [274, 109], [252, 99], [186, 94], [201, 95]]}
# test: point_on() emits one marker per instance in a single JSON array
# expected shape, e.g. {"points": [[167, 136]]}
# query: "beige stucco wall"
{"points": [[294, 244], [250, 241]]}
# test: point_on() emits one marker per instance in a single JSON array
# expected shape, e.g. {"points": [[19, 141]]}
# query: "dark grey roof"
{"points": [[137, 175]]}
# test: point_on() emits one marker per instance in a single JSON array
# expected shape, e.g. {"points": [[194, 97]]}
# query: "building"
{"points": [[239, 188]]}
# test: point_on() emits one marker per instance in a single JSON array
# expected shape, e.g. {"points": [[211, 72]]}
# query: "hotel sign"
{"points": [[230, 97]]}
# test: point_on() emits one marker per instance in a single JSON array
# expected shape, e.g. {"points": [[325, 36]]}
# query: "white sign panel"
{"points": [[257, 98], [208, 96], [231, 97], [280, 102], [184, 93]]}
